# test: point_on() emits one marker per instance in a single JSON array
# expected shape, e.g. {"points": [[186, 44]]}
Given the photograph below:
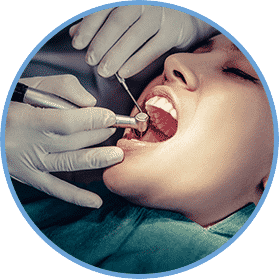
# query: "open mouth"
{"points": [[162, 123]]}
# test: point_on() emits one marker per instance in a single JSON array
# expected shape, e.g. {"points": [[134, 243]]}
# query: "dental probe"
{"points": [[39, 98], [122, 81]]}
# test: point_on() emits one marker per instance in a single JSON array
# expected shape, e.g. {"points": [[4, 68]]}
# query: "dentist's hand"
{"points": [[128, 38], [39, 141]]}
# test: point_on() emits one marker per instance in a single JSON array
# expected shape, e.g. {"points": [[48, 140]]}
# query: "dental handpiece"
{"points": [[139, 122], [39, 98]]}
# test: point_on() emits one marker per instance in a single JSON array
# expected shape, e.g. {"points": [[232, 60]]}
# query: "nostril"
{"points": [[179, 75]]}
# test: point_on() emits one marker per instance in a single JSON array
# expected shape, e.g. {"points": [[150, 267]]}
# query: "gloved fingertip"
{"points": [[110, 120], [89, 199], [98, 203], [90, 101], [112, 130], [93, 102], [71, 31], [103, 71], [76, 43], [90, 59], [116, 155], [95, 202], [124, 73]]}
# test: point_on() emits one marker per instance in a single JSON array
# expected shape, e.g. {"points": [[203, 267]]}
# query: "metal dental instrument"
{"points": [[122, 81], [39, 98], [139, 122], [141, 118]]}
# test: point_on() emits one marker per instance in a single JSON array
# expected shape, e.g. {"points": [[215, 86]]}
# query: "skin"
{"points": [[223, 146]]}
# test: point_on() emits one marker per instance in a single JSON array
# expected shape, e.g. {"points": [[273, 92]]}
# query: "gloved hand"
{"points": [[117, 45], [39, 141]]}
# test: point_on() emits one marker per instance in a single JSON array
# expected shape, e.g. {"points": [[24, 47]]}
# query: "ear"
{"points": [[259, 189], [264, 181]]}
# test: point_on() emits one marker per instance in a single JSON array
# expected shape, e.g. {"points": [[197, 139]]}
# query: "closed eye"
{"points": [[241, 74]]}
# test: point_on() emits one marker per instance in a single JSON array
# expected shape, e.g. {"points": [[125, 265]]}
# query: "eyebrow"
{"points": [[232, 47], [211, 43]]}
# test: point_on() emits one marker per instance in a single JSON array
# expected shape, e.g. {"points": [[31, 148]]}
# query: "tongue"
{"points": [[162, 121], [153, 135]]}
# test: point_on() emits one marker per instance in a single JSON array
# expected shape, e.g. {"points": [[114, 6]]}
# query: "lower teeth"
{"points": [[160, 135], [139, 134]]}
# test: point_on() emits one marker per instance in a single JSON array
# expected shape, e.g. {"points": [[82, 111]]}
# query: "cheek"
{"points": [[242, 137], [256, 137], [229, 131]]}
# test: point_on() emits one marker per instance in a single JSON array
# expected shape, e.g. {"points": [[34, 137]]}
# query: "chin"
{"points": [[133, 178]]}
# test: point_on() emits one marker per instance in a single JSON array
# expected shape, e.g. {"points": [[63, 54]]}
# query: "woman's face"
{"points": [[210, 138]]}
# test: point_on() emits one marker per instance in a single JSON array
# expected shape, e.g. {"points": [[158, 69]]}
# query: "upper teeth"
{"points": [[162, 103]]}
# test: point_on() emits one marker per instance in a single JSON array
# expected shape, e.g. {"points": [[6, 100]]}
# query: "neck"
{"points": [[208, 213], [214, 214]]}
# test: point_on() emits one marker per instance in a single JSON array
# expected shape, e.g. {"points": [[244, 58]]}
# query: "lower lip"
{"points": [[132, 144]]}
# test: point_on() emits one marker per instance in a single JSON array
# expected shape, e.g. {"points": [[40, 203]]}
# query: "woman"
{"points": [[206, 170], [210, 143], [206, 163]]}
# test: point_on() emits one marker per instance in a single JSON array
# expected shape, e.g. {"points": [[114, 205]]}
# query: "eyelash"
{"points": [[240, 73]]}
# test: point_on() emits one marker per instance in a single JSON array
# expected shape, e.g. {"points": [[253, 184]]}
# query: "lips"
{"points": [[160, 106]]}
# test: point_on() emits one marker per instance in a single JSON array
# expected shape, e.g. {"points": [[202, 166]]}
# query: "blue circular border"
{"points": [[124, 275]]}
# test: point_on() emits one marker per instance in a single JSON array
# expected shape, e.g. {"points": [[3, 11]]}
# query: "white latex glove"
{"points": [[39, 141], [115, 35]]}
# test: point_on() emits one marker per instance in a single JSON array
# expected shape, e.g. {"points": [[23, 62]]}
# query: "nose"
{"points": [[176, 70]]}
